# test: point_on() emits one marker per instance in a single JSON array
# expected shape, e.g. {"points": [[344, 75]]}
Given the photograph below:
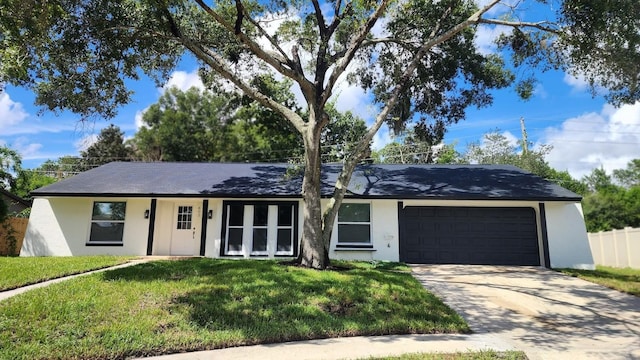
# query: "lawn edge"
{"points": [[65, 275]]}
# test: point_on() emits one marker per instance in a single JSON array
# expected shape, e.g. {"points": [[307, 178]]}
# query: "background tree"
{"points": [[608, 206], [29, 180], [414, 149], [109, 146], [496, 148], [423, 66], [10, 166], [630, 176], [185, 126], [61, 168], [218, 125]]}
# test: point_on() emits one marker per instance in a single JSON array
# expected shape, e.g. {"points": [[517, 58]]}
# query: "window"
{"points": [[235, 220], [107, 223], [185, 214], [354, 225], [284, 243], [260, 228], [260, 225]]}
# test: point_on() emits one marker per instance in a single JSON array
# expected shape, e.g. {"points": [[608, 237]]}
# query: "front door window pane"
{"points": [[185, 214]]}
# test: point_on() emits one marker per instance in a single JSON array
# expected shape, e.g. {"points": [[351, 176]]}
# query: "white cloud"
{"points": [[381, 138], [607, 139], [11, 112], [498, 9], [540, 91], [486, 36], [578, 83], [184, 80], [25, 148], [85, 142], [353, 98], [138, 118]]}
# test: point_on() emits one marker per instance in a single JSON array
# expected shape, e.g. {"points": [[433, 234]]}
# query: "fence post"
{"points": [[602, 258], [615, 247], [626, 242]]}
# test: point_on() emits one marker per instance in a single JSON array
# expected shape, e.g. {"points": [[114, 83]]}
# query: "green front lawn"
{"points": [[20, 271], [626, 280], [196, 304]]}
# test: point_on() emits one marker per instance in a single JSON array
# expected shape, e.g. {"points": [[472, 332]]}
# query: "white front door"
{"points": [[185, 236]]}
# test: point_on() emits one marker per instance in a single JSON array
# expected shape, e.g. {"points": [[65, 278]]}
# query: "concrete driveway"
{"points": [[541, 312]]}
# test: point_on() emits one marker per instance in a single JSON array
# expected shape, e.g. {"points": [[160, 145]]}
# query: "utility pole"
{"points": [[525, 141]]}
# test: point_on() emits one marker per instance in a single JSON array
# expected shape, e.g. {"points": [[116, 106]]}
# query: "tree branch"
{"points": [[538, 25], [352, 161], [353, 47], [285, 58], [218, 64], [257, 49], [319, 17], [404, 44]]}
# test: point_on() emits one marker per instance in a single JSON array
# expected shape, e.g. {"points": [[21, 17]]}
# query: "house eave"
{"points": [[298, 196]]}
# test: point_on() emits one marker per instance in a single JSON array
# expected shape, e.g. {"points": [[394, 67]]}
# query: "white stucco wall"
{"points": [[384, 234], [163, 227], [567, 234], [60, 227], [214, 229]]}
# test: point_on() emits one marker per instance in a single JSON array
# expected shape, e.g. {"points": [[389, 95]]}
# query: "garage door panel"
{"points": [[469, 235]]}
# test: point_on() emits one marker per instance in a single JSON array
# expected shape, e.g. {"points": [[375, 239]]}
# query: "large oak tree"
{"points": [[417, 59]]}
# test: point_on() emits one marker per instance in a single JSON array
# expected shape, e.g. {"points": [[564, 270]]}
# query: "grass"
{"points": [[626, 280], [21, 271], [197, 304], [471, 355]]}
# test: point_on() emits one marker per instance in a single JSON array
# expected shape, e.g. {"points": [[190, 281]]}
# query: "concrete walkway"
{"points": [[10, 293], [361, 347], [541, 312]]}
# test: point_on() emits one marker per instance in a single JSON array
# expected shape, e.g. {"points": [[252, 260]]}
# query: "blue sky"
{"points": [[585, 132]]}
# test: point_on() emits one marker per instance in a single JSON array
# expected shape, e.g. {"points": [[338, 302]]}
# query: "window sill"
{"points": [[104, 244], [354, 248]]}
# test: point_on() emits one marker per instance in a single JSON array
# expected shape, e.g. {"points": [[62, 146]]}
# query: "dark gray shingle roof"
{"points": [[456, 182]]}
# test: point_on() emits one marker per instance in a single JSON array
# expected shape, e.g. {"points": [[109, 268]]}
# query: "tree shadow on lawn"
{"points": [[251, 302]]}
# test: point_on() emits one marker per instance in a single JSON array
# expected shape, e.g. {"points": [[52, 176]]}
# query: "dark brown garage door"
{"points": [[469, 235]]}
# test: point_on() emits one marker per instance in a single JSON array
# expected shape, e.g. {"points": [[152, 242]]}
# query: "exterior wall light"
{"points": [[210, 214], [146, 214]]}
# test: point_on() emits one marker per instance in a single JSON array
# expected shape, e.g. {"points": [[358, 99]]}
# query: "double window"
{"points": [[354, 225], [260, 228], [107, 223]]}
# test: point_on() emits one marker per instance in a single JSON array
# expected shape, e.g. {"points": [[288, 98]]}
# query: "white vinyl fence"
{"points": [[617, 248]]}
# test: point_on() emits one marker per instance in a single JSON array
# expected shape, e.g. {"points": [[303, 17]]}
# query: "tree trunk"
{"points": [[313, 252]]}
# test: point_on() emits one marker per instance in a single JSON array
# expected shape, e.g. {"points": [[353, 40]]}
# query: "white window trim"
{"points": [[355, 244]]}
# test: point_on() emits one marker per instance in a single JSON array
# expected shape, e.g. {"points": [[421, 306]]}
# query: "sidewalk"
{"points": [[10, 293], [361, 347]]}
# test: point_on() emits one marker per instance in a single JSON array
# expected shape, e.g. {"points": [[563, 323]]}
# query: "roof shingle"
{"points": [[241, 180]]}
